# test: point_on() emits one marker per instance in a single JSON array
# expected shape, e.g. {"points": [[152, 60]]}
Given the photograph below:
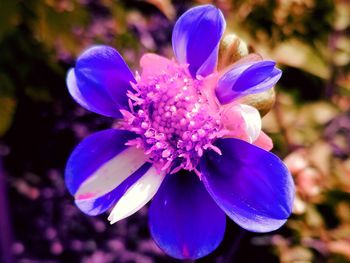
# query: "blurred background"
{"points": [[40, 124]]}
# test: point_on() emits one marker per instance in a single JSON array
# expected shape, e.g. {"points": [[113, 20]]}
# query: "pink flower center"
{"points": [[173, 117]]}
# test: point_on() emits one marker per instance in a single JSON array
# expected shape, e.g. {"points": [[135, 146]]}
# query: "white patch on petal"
{"points": [[74, 90], [264, 141], [242, 122], [252, 121], [137, 195], [112, 173]]}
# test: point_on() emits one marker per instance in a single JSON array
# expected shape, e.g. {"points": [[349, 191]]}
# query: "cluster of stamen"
{"points": [[172, 117]]}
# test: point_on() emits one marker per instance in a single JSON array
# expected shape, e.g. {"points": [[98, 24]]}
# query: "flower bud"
{"points": [[263, 101], [232, 48]]}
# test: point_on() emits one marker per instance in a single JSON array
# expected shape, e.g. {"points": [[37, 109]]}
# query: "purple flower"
{"points": [[183, 139]]}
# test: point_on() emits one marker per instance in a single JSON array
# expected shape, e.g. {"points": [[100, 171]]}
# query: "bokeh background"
{"points": [[40, 124]]}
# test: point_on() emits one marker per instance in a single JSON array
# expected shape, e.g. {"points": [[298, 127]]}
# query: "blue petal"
{"points": [[100, 80], [98, 205], [252, 186], [184, 220], [92, 153], [248, 78], [196, 38]]}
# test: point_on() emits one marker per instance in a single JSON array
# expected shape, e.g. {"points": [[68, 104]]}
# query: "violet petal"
{"points": [[137, 195], [100, 80], [97, 205], [92, 153], [252, 186], [196, 38], [248, 78], [184, 220]]}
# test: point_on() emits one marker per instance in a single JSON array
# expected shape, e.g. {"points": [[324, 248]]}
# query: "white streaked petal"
{"points": [[112, 173], [74, 90], [252, 120], [241, 121], [137, 195]]}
